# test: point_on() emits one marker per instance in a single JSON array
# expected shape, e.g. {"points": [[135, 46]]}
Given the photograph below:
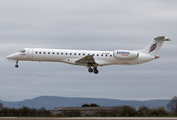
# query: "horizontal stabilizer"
{"points": [[162, 38]]}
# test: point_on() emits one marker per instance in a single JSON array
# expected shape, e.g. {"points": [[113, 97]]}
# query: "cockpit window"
{"points": [[22, 51]]}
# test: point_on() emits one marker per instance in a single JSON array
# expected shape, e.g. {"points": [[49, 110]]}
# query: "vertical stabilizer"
{"points": [[153, 48]]}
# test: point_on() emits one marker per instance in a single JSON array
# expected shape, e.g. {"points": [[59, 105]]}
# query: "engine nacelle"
{"points": [[125, 54]]}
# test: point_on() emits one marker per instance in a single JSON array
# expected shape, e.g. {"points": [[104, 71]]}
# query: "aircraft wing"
{"points": [[87, 60]]}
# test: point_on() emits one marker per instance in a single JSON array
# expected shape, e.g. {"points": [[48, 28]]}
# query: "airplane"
{"points": [[91, 59]]}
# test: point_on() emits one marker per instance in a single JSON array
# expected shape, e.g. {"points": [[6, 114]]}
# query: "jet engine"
{"points": [[125, 54]]}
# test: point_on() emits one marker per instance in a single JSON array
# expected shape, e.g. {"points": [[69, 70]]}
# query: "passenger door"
{"points": [[30, 53]]}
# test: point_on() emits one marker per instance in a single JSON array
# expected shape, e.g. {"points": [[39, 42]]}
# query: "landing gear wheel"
{"points": [[16, 66], [90, 70], [95, 71]]}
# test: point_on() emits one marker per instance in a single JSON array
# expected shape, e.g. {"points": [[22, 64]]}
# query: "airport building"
{"points": [[84, 110]]}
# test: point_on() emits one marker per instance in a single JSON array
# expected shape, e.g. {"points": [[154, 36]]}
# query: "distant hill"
{"points": [[51, 102]]}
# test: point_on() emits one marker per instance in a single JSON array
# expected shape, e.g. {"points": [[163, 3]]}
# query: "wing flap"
{"points": [[86, 60]]}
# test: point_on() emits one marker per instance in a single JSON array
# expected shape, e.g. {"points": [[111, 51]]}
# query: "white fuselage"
{"points": [[71, 56], [92, 59]]}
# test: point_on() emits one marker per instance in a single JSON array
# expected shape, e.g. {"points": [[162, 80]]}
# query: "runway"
{"points": [[89, 118]]}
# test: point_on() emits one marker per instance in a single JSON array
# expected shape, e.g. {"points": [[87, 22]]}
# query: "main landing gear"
{"points": [[16, 64], [94, 69]]}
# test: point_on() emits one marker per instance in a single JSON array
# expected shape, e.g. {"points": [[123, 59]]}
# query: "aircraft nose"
{"points": [[12, 56]]}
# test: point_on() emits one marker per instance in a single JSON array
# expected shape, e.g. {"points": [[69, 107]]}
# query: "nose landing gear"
{"points": [[16, 64]]}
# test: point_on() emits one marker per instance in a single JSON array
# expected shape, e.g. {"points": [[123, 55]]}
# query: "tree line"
{"points": [[121, 111], [91, 105], [25, 111], [116, 111], [127, 110]]}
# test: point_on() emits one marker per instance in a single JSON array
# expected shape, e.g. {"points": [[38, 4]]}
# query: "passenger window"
{"points": [[110, 55], [48, 52], [70, 53], [101, 54], [57, 53], [74, 53], [39, 52], [79, 54], [66, 53], [36, 52], [83, 54], [97, 54], [61, 53], [106, 55], [53, 53], [44, 52]]}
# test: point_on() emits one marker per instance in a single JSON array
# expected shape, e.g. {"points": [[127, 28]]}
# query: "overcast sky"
{"points": [[88, 25]]}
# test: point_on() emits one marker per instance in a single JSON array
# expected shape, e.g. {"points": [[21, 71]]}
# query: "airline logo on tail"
{"points": [[153, 47]]}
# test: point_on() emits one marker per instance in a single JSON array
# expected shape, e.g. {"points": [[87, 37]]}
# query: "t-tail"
{"points": [[153, 48]]}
